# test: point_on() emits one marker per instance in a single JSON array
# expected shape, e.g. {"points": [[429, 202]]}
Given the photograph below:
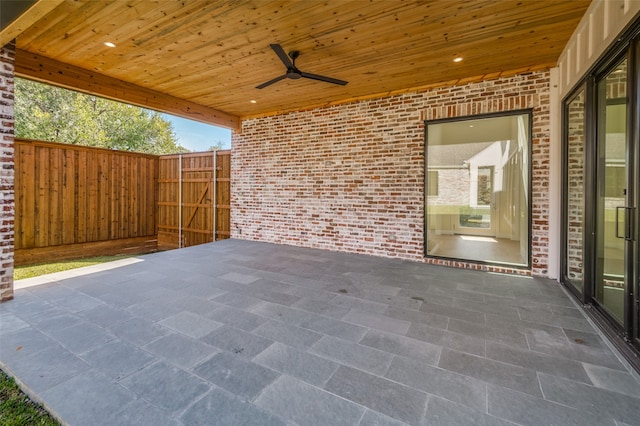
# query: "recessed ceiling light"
{"points": [[253, 101], [109, 44], [458, 59]]}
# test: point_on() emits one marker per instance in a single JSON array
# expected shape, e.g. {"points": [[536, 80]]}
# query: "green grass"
{"points": [[16, 409], [22, 272]]}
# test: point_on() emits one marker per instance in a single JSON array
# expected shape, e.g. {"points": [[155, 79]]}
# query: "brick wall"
{"points": [[351, 177], [7, 59], [575, 188]]}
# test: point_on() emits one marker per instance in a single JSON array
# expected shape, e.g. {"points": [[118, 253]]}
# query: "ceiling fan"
{"points": [[293, 72]]}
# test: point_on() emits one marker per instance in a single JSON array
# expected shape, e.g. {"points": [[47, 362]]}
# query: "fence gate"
{"points": [[193, 198]]}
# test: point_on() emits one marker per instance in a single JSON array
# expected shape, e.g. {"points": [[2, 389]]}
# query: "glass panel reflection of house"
{"points": [[479, 210]]}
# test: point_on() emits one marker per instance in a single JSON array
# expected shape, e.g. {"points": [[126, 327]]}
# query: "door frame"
{"points": [[625, 338]]}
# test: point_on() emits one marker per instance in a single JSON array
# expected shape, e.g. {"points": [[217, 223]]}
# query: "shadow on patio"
{"points": [[239, 332]]}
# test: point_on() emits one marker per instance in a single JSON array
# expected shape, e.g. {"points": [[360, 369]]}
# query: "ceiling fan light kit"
{"points": [[293, 72]]}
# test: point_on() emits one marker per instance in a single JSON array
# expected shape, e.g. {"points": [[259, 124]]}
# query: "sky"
{"points": [[196, 136]]}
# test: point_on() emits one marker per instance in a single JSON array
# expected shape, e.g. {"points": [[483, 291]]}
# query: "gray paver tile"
{"points": [[457, 313], [23, 342], [302, 365], [104, 315], [531, 411], [590, 339], [304, 404], [87, 399], [237, 300], [55, 323], [441, 412], [506, 337], [141, 413], [81, 337], [181, 350], [537, 361], [240, 377], [390, 398], [227, 410], [273, 296], [288, 334], [44, 369], [166, 386], [311, 294], [237, 318], [279, 312], [77, 302], [10, 323], [348, 302], [117, 359], [499, 373], [613, 380], [204, 290], [404, 346], [430, 319], [447, 339], [590, 399], [333, 327], [239, 278], [152, 310], [352, 354], [579, 324], [380, 322], [373, 418], [138, 331], [452, 386], [190, 324], [236, 341], [322, 308], [195, 305], [541, 341]]}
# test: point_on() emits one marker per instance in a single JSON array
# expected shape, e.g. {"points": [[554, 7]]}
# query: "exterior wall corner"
{"points": [[7, 195]]}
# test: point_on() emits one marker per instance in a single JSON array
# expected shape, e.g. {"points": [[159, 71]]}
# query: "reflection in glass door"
{"points": [[611, 172]]}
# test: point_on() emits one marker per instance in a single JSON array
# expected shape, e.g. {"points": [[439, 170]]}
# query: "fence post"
{"points": [[180, 201], [215, 197]]}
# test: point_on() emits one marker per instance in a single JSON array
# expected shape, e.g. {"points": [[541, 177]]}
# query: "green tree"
{"points": [[217, 145], [50, 113]]}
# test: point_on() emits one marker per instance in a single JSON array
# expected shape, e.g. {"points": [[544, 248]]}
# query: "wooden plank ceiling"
{"points": [[211, 54]]}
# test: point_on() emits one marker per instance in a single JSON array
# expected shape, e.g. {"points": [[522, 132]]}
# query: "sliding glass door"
{"points": [[601, 158], [613, 274]]}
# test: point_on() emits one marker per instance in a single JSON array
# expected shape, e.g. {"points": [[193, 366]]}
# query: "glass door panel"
{"points": [[611, 173]]}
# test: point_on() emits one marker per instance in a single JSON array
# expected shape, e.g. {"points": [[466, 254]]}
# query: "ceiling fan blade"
{"points": [[282, 55], [270, 82], [323, 78]]}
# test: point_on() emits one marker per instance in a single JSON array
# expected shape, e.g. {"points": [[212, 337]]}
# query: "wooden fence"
{"points": [[193, 198], [74, 201]]}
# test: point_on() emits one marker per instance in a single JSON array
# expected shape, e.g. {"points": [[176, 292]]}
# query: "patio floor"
{"points": [[245, 333]]}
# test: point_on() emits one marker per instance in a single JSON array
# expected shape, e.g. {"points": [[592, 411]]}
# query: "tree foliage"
{"points": [[49, 113]]}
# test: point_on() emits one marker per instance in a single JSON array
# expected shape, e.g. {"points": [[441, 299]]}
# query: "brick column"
{"points": [[7, 195]]}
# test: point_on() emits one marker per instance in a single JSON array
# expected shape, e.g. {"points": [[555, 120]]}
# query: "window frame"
{"points": [[529, 113]]}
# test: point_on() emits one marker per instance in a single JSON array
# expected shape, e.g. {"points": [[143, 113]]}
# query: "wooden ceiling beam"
{"points": [[46, 70], [30, 16]]}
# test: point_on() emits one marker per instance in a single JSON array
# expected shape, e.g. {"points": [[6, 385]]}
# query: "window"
{"points": [[478, 209]]}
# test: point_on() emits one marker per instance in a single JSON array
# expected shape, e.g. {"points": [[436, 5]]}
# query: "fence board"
{"points": [[68, 195]]}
